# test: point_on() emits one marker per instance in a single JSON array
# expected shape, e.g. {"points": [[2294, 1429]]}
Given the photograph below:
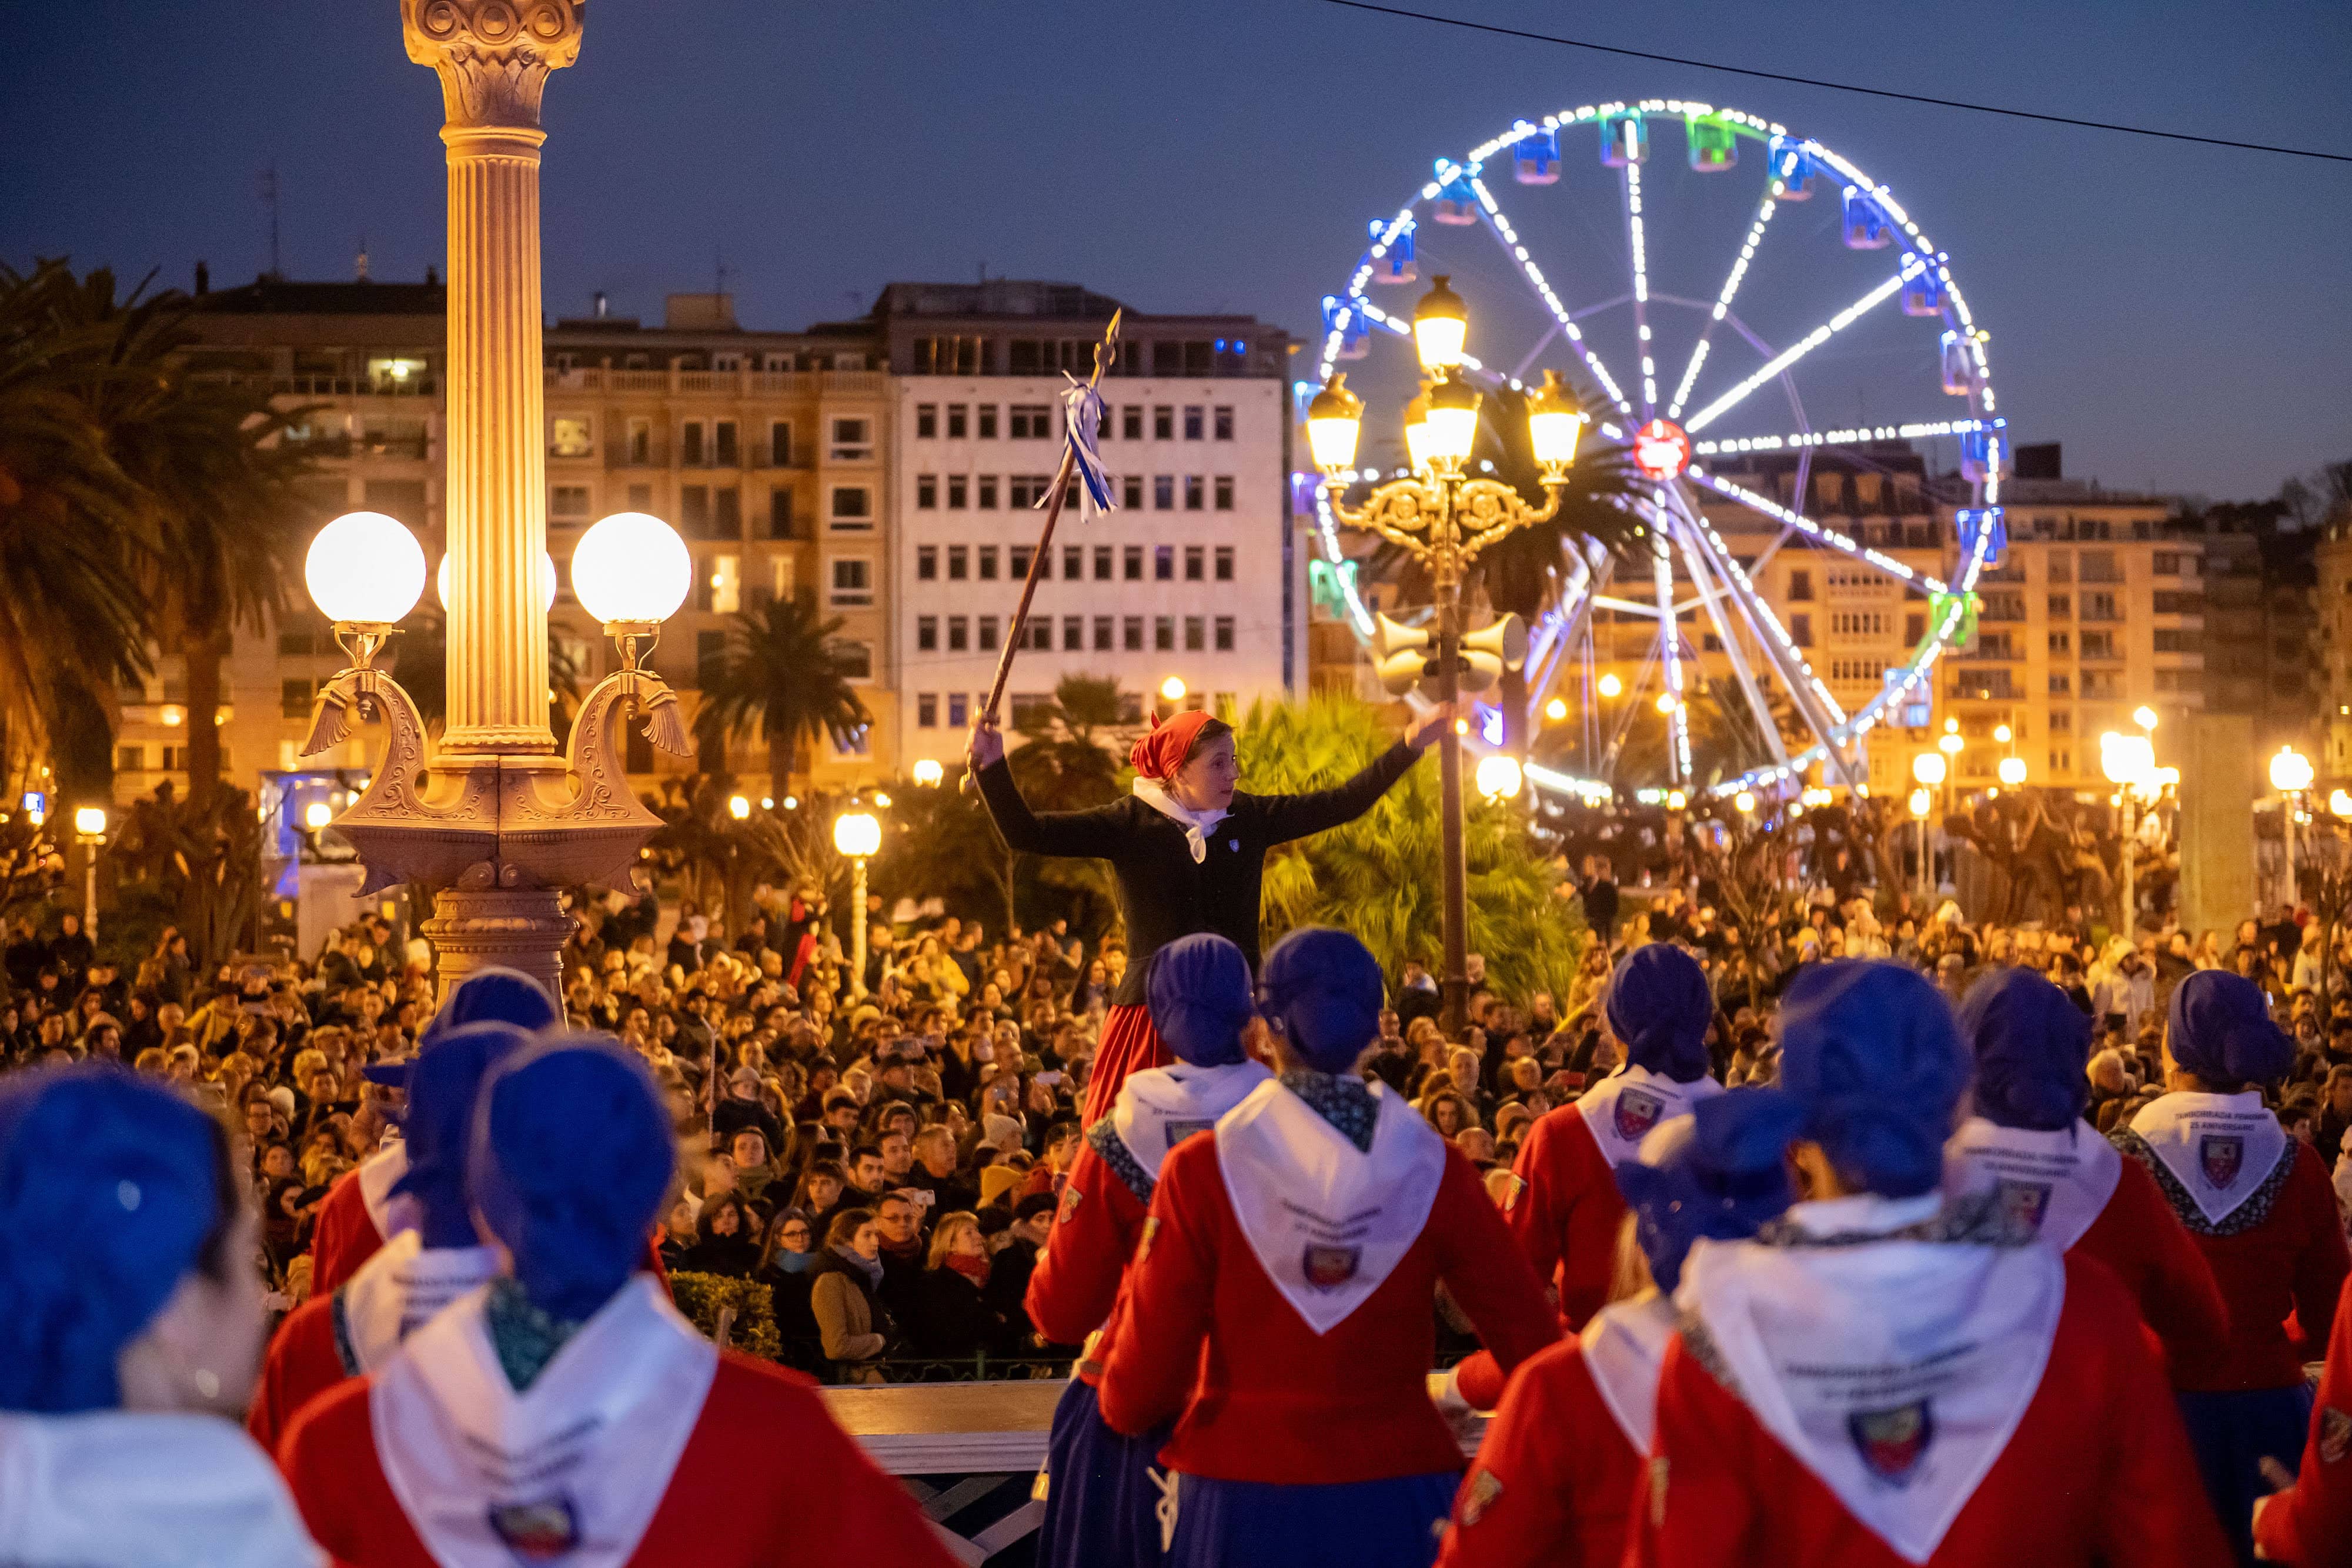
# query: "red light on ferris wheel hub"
{"points": [[1661, 450]]}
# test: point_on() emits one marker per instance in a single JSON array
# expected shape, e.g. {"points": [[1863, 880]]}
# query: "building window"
{"points": [[1102, 635], [1032, 420], [987, 492], [959, 562], [1019, 558], [1195, 634], [1191, 423], [1131, 564], [1163, 563], [1028, 489], [988, 563], [958, 492], [293, 702], [1074, 633], [641, 443], [1164, 634], [690, 446], [852, 581], [726, 582], [728, 455], [927, 492], [568, 501], [1224, 563], [1194, 563], [853, 440], [569, 436], [958, 421], [852, 507], [1073, 563], [728, 520], [779, 444], [926, 633], [1195, 492], [2062, 644], [1131, 633], [1163, 492], [1102, 563], [927, 710], [2165, 564], [958, 633], [959, 709], [1225, 633], [927, 563], [950, 356], [2061, 684], [1131, 492], [694, 510], [1041, 634], [780, 513], [1801, 587], [1801, 630], [710, 658], [1163, 424], [988, 633], [1225, 422], [988, 422], [1224, 492], [1130, 423]]}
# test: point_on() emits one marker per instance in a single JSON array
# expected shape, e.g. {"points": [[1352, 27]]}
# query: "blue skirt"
{"points": [[2230, 1434], [1101, 1503], [1392, 1524]]}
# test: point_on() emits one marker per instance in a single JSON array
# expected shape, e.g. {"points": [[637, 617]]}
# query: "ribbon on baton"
{"points": [[1082, 417]]}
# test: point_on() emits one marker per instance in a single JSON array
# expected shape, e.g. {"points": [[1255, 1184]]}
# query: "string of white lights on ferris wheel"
{"points": [[1664, 453]]}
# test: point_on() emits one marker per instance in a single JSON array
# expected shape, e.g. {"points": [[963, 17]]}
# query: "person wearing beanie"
{"points": [[1883, 1377], [1186, 849], [2309, 1523], [1100, 1501], [131, 1331], [354, 1329], [1281, 1305], [2257, 1205], [2027, 1143], [1565, 1209], [566, 1412], [1556, 1472], [357, 1218]]}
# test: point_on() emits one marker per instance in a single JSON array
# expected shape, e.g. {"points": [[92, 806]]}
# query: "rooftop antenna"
{"points": [[269, 200]]}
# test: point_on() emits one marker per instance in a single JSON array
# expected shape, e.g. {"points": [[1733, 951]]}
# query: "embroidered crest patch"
{"points": [[1893, 1442], [2025, 1203], [2335, 1435], [1483, 1490], [1637, 1113], [1328, 1268], [1071, 1197], [1178, 1131], [2219, 1158], [539, 1531]]}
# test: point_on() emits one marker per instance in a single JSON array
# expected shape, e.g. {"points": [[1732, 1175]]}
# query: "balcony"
{"points": [[719, 383]]}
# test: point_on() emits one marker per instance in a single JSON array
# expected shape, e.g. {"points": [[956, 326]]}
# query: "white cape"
{"points": [[1160, 1107], [376, 1175], [1624, 1345], [1328, 1221], [398, 1290], [2221, 1148], [2056, 1184], [119, 1489], [1622, 1107]]}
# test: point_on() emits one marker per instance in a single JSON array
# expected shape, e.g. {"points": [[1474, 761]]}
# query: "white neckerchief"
{"points": [[570, 1470], [1622, 1107], [1197, 825], [400, 1289], [376, 1175], [1328, 1221], [2221, 1147], [1623, 1346], [1160, 1107], [2055, 1183], [119, 1489], [1895, 1370]]}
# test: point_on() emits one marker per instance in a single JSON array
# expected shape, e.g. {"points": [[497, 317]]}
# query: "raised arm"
{"points": [[1095, 834], [1288, 817]]}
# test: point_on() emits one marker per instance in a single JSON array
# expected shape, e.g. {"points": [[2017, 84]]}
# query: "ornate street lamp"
{"points": [[857, 835], [2127, 760], [1444, 518], [89, 827], [2291, 775]]}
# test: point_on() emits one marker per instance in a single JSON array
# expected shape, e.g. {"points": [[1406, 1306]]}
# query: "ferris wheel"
{"points": [[1844, 294]]}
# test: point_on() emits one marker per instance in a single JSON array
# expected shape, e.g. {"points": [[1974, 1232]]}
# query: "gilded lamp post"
{"points": [[1444, 518]]}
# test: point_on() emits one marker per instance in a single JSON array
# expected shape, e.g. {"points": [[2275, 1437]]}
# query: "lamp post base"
{"points": [[521, 928]]}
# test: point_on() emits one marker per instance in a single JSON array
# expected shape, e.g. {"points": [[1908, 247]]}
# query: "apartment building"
{"points": [[1195, 575], [2332, 650]]}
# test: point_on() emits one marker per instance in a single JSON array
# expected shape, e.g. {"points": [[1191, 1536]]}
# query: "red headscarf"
{"points": [[1161, 752]]}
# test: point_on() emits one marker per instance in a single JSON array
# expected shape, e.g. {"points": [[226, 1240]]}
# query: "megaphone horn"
{"points": [[1505, 640]]}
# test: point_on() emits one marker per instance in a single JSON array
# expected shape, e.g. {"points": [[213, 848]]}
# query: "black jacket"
{"points": [[1162, 894]]}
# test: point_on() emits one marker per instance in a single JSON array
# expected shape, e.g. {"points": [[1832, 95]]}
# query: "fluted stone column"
{"points": [[494, 58]]}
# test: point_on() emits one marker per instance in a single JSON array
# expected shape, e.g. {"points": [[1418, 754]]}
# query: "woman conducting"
{"points": [[1188, 850]]}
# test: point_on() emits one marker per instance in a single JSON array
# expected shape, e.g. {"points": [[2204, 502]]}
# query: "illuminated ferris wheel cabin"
{"points": [[1661, 450]]}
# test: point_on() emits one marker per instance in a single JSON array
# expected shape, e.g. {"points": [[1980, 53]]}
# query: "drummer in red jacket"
{"points": [[2028, 1144], [354, 1329], [1100, 1502], [566, 1412], [1881, 1378], [1554, 1479], [1566, 1210], [1280, 1306], [359, 1215], [2310, 1523]]}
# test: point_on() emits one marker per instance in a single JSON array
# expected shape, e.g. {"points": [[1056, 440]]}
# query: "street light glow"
{"points": [[927, 772], [1499, 776], [2002, 734], [1172, 688], [316, 815], [1667, 703], [2291, 771], [631, 567], [1919, 804], [1744, 802], [1950, 745], [365, 568], [2144, 716], [2129, 758], [2012, 771], [89, 821], [1928, 767], [1441, 326], [1556, 709], [856, 834], [738, 807], [1610, 686]]}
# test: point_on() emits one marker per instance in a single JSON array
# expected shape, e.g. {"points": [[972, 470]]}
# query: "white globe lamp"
{"points": [[365, 569], [631, 570]]}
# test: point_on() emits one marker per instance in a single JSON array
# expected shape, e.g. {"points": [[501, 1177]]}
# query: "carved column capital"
{"points": [[493, 55]]}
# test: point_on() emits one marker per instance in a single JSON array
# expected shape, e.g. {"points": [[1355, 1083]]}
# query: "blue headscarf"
{"points": [[572, 1153], [1659, 1006], [2031, 1045], [2218, 1027], [1323, 989], [1722, 1185], [1198, 990], [438, 1127], [1871, 1063], [485, 995], [110, 1185]]}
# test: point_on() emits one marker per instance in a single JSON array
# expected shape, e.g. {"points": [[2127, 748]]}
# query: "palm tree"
{"points": [[1067, 765], [780, 676], [72, 617]]}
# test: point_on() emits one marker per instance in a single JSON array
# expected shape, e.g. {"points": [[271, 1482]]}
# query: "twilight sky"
{"points": [[2179, 316]]}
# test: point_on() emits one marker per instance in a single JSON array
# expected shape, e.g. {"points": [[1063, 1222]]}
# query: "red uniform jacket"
{"points": [[766, 1478], [2098, 1471], [2310, 1523], [1076, 1279], [2139, 1236], [1262, 1396], [2290, 1260], [1554, 1479], [1567, 1216], [304, 1362], [343, 1237]]}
